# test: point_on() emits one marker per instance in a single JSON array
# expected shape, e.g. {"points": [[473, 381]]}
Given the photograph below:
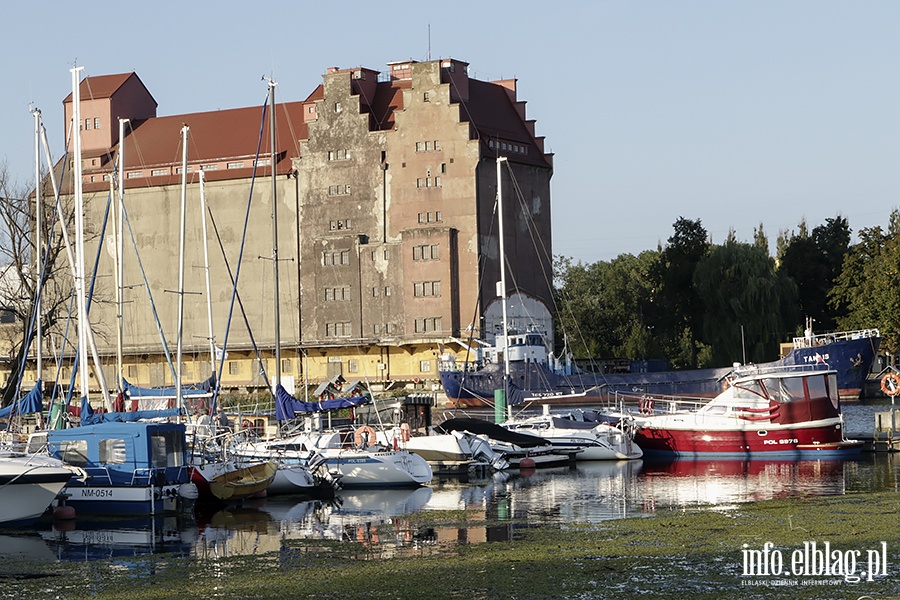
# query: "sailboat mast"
{"points": [[209, 319], [79, 237], [179, 398], [502, 290], [277, 381], [38, 245], [120, 260]]}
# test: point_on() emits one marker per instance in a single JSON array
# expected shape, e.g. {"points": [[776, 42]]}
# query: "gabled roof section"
{"points": [[388, 99], [104, 86], [494, 116]]}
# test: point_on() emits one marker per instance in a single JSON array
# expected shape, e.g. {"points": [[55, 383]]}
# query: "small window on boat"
{"points": [[112, 452], [74, 452], [167, 449], [817, 388]]}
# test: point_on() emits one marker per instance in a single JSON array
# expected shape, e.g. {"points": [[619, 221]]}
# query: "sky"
{"points": [[736, 113]]}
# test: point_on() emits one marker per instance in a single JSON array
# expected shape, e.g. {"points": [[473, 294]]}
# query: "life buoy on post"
{"points": [[890, 384], [645, 406], [416, 380], [404, 432], [364, 437]]}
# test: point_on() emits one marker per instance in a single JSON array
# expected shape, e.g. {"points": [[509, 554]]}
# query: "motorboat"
{"points": [[29, 484], [451, 452], [131, 468], [515, 447], [763, 411], [590, 439]]}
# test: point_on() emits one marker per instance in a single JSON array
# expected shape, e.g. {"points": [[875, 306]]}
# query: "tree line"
{"points": [[699, 304]]}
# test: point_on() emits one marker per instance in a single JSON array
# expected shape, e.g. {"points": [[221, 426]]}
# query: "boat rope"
{"points": [[237, 274]]}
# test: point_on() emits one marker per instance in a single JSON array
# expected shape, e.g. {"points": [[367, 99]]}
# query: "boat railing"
{"points": [[838, 336], [655, 404], [758, 370]]}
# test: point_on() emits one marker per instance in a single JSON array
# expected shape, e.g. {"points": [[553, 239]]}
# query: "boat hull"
{"points": [[809, 441], [365, 469], [27, 490]]}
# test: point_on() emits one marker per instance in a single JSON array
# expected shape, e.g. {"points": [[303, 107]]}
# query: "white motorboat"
{"points": [[356, 460], [442, 451], [29, 484], [596, 441]]}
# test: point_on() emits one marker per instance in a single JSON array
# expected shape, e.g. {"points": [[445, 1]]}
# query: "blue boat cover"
{"points": [[32, 402], [89, 417], [192, 389], [287, 407]]}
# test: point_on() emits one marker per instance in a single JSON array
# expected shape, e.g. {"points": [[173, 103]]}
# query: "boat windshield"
{"points": [[785, 389], [168, 449]]}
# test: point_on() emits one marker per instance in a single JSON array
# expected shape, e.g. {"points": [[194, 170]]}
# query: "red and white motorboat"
{"points": [[789, 412]]}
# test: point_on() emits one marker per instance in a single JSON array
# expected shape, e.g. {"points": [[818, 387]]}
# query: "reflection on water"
{"points": [[371, 523]]}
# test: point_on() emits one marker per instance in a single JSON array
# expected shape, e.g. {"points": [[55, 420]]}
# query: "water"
{"points": [[588, 492]]}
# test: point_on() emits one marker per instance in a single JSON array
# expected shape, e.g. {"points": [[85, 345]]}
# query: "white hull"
{"points": [[364, 468], [29, 486], [601, 442], [292, 479]]}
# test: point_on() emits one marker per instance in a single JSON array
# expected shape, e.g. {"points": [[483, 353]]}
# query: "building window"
{"points": [[387, 290], [159, 172], [337, 107], [134, 174], [339, 190], [338, 155], [235, 165], [437, 146], [234, 367], [180, 169], [353, 366], [425, 97], [132, 371], [374, 292], [341, 329], [428, 325], [340, 224], [285, 365], [437, 181], [426, 252], [96, 122], [262, 162], [337, 294], [338, 257], [426, 288], [424, 366], [87, 123], [209, 168]]}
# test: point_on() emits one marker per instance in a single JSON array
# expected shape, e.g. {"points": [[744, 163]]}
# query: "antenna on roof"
{"points": [[429, 41]]}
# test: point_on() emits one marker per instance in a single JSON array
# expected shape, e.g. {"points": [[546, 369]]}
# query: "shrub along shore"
{"points": [[822, 544]]}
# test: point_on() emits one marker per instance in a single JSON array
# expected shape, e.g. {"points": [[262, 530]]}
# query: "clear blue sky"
{"points": [[734, 113]]}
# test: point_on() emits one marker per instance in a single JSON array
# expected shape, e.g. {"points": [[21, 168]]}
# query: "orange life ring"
{"points": [[358, 436], [416, 380], [404, 432], [646, 406], [890, 384]]}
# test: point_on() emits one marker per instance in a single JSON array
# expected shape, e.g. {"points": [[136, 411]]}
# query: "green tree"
{"points": [[678, 300], [607, 309], [864, 294], [744, 300], [813, 261]]}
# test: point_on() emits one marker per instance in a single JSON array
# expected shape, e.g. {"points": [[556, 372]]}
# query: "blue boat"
{"points": [[534, 378], [131, 467]]}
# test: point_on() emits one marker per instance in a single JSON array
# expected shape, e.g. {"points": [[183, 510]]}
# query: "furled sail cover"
{"points": [[287, 407]]}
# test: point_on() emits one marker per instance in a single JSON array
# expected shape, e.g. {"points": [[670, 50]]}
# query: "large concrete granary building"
{"points": [[388, 247]]}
